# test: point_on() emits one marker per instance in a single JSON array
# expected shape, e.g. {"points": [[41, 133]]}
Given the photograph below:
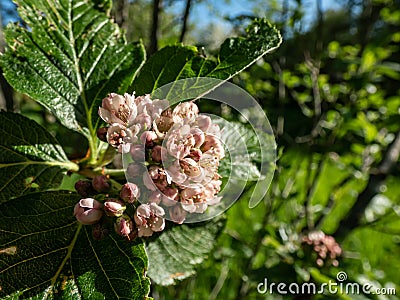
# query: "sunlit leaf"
{"points": [[45, 252], [30, 158]]}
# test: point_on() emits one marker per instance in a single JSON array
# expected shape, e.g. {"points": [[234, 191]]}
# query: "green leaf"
{"points": [[46, 253], [178, 62], [69, 58], [30, 158], [244, 151], [175, 253]]}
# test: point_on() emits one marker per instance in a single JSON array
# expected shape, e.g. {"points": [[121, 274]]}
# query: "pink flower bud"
{"points": [[137, 153], [101, 184], [144, 120], [204, 122], [136, 170], [102, 134], [155, 197], [123, 225], [177, 214], [129, 192], [88, 211], [170, 196], [114, 207], [84, 188], [149, 219], [159, 154], [148, 138]]}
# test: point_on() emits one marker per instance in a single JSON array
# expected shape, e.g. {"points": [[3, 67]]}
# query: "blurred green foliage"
{"points": [[332, 96]]}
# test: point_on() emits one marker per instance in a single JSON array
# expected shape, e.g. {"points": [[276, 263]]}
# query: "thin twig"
{"points": [[220, 282], [310, 191], [154, 27], [185, 20]]}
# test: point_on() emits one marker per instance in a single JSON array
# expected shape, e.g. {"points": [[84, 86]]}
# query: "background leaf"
{"points": [[175, 253], [243, 151], [30, 157], [45, 249], [70, 59], [178, 62]]}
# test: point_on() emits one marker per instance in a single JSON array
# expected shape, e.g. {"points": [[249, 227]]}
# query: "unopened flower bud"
{"points": [[148, 138], [144, 120], [159, 153], [136, 170], [137, 153], [204, 122], [102, 134], [88, 211], [129, 192], [155, 197], [101, 184], [177, 214], [84, 188], [123, 225], [114, 207], [148, 182], [170, 196]]}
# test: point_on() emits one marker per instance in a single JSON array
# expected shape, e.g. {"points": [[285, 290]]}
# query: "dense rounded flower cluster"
{"points": [[324, 246], [175, 152], [173, 166]]}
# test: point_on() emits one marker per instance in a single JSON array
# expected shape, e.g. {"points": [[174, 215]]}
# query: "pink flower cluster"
{"points": [[175, 153], [325, 246]]}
